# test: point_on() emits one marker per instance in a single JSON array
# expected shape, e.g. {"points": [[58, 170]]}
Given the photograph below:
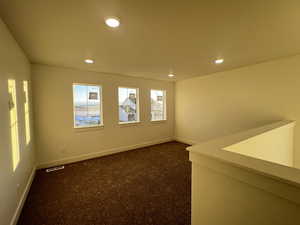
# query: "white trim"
{"points": [[19, 208], [129, 122], [88, 126], [158, 121], [102, 153], [185, 140]]}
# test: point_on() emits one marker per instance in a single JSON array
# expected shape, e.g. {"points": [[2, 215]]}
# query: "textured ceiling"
{"points": [[155, 36]]}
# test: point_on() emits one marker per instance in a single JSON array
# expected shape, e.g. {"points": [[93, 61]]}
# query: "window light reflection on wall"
{"points": [[13, 114], [26, 112]]}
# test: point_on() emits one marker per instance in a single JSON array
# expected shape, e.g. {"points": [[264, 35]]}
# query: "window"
{"points": [[14, 127], [26, 112], [128, 105], [87, 106], [158, 105]]}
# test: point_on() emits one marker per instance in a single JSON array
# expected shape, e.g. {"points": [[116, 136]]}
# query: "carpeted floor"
{"points": [[140, 187]]}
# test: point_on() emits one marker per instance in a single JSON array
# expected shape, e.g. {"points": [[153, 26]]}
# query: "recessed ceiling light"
{"points": [[171, 75], [112, 22], [219, 61], [89, 61]]}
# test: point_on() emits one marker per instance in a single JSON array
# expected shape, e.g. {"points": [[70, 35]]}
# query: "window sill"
{"points": [[87, 129], [158, 121], [125, 124]]}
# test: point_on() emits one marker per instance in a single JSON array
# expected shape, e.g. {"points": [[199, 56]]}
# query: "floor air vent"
{"points": [[55, 168]]}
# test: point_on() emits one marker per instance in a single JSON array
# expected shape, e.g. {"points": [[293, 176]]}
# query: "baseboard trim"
{"points": [[185, 140], [102, 153], [22, 200]]}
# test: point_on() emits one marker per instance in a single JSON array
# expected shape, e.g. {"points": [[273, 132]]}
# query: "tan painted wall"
{"points": [[230, 101], [231, 188], [13, 65], [275, 146], [56, 139], [225, 194]]}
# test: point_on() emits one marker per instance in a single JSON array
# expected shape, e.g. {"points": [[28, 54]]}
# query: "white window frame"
{"points": [[101, 106], [164, 105], [137, 106]]}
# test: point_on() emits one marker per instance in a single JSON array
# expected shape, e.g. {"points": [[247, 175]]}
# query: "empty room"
{"points": [[138, 112]]}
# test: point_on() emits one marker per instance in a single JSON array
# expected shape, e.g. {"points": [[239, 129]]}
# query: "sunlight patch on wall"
{"points": [[13, 113], [26, 112]]}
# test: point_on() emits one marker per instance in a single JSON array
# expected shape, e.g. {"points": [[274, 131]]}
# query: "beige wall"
{"points": [[276, 145], [13, 65], [230, 101], [58, 142], [226, 194]]}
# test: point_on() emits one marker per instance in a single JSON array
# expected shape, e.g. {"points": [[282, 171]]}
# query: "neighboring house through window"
{"points": [[128, 105], [158, 105]]}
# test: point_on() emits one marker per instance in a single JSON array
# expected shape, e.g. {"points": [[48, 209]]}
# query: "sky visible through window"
{"points": [[87, 105], [88, 111]]}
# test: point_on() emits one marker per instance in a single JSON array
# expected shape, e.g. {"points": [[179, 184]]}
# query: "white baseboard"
{"points": [[23, 198], [185, 140], [102, 153]]}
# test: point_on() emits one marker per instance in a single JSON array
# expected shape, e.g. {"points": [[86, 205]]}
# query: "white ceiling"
{"points": [[155, 36]]}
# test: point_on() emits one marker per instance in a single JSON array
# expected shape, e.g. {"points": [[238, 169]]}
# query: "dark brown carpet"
{"points": [[140, 187]]}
